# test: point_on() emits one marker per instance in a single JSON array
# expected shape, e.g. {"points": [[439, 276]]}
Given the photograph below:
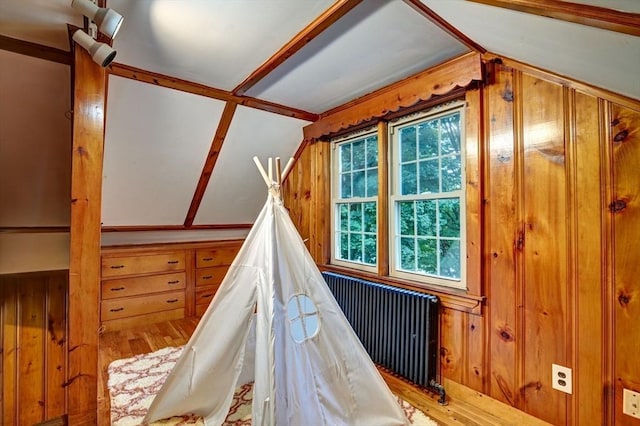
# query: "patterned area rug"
{"points": [[134, 382]]}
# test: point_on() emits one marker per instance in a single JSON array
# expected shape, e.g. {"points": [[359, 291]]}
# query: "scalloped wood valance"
{"points": [[439, 80]]}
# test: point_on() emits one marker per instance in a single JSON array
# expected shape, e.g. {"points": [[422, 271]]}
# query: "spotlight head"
{"points": [[107, 20], [102, 54]]}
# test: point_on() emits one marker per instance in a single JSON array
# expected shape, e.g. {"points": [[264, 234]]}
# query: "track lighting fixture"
{"points": [[107, 20], [102, 54]]}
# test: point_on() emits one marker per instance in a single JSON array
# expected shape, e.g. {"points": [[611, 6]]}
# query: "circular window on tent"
{"points": [[303, 318]]}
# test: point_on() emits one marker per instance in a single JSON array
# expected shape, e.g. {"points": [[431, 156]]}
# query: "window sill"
{"points": [[458, 300]]}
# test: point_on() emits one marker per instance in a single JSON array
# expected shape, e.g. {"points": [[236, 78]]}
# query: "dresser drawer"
{"points": [[125, 287], [138, 305], [216, 256], [204, 295], [211, 276], [132, 265]]}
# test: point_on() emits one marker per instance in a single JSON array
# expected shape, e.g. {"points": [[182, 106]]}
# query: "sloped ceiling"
{"points": [[602, 58], [158, 140]]}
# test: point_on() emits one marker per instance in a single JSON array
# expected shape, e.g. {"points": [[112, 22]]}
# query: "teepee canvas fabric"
{"points": [[274, 321]]}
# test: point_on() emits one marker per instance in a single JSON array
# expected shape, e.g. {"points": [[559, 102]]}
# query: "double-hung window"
{"points": [[426, 202], [355, 202]]}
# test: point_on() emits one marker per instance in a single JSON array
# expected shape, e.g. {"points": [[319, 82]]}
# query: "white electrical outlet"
{"points": [[631, 403], [561, 378]]}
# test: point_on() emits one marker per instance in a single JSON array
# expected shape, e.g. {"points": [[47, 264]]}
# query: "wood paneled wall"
{"points": [[559, 228], [33, 335]]}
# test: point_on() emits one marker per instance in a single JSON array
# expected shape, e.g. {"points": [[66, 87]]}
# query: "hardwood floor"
{"points": [[466, 407]]}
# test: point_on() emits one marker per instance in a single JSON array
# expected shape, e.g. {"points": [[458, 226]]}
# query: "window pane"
{"points": [[345, 157], [408, 183], [372, 151], [407, 254], [451, 174], [428, 139], [449, 217], [407, 144], [450, 134], [427, 256], [344, 245], [429, 177], [344, 217], [358, 154], [426, 218], [406, 218], [372, 182], [370, 248], [358, 184], [345, 186], [450, 258], [370, 217], [355, 248], [355, 217]]}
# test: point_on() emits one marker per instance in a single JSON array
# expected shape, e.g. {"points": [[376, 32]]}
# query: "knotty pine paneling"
{"points": [[502, 239], [545, 247], [586, 260], [625, 208], [558, 224], [34, 347]]}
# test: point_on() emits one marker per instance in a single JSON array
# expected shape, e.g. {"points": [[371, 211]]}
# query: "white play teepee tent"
{"points": [[274, 321]]}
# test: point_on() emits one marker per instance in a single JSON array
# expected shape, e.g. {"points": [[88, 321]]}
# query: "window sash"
{"points": [[366, 193], [395, 198]]}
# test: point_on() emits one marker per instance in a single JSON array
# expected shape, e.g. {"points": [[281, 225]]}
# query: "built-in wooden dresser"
{"points": [[144, 284], [211, 267]]}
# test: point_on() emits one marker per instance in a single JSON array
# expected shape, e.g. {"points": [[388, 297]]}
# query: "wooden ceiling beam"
{"points": [[35, 50], [594, 16], [162, 80], [432, 16], [209, 164], [311, 31]]}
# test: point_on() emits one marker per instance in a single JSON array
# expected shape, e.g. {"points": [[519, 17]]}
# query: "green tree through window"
{"points": [[355, 200]]}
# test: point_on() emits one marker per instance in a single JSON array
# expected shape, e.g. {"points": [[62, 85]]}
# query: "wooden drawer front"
{"points": [[211, 276], [204, 295], [216, 257], [130, 306], [124, 287], [131, 265]]}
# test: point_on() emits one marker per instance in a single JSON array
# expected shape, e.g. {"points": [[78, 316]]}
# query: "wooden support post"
{"points": [[84, 264]]}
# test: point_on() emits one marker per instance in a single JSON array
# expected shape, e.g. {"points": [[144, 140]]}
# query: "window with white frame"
{"points": [[427, 199], [354, 202]]}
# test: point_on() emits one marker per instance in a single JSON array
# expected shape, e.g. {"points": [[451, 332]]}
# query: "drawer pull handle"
{"points": [[172, 300], [116, 266], [207, 277], [207, 259], [117, 309], [173, 262], [173, 282], [117, 288], [206, 296]]}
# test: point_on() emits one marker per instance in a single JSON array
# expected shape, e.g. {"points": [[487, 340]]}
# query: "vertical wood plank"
{"points": [[31, 366], [473, 118], [545, 249], [10, 323], [84, 268], [321, 209], [625, 209], [453, 336], [588, 360], [383, 198], [501, 231], [474, 374], [56, 338]]}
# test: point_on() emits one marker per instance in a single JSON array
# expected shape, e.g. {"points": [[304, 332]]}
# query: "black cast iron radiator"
{"points": [[397, 327]]}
